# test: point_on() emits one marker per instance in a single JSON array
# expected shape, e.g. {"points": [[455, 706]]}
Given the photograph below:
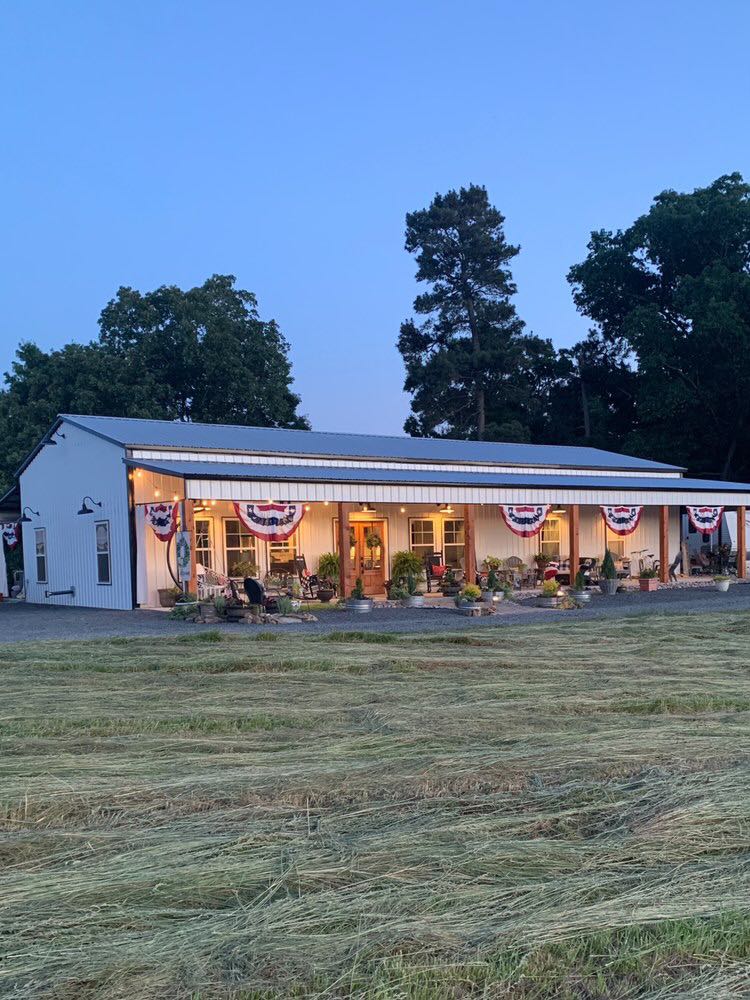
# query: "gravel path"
{"points": [[25, 622]]}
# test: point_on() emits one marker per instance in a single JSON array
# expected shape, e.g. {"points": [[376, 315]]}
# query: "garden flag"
{"points": [[275, 522], [705, 519], [525, 520], [622, 520], [10, 534], [163, 519]]}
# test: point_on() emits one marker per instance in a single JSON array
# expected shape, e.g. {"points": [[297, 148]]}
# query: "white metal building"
{"points": [[84, 487]]}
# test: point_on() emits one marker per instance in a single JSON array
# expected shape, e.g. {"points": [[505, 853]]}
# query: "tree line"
{"points": [[664, 371]]}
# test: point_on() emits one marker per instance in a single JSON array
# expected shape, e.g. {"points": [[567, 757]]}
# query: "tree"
{"points": [[462, 359], [202, 354], [672, 292]]}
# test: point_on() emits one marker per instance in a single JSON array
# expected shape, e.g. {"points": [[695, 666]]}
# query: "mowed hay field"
{"points": [[556, 811]]}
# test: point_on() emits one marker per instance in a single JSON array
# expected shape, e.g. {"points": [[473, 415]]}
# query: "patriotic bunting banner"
{"points": [[705, 519], [163, 519], [10, 533], [275, 522], [525, 520], [622, 520]]}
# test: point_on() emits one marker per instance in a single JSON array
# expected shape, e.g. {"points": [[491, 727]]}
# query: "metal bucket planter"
{"points": [[722, 586], [361, 607], [609, 587], [413, 601], [582, 596], [470, 608], [547, 602]]}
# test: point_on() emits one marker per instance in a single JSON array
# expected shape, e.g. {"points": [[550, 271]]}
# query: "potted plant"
{"points": [[722, 583], [328, 575], [358, 601], [550, 597], [542, 561], [495, 586], [168, 596], [648, 580], [186, 607], [235, 610], [448, 586], [578, 590], [244, 568], [414, 596], [405, 563], [608, 582], [469, 598]]}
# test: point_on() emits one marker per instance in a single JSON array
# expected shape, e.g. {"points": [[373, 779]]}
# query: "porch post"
{"points": [[470, 548], [741, 545], [664, 543], [188, 508], [342, 538], [574, 548]]}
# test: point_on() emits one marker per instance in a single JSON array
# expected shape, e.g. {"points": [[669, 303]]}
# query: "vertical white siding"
{"points": [[55, 484]]}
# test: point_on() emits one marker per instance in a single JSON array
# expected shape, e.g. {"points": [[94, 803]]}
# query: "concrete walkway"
{"points": [[29, 622]]}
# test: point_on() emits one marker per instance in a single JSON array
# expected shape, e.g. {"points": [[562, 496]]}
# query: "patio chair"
{"points": [[210, 583], [256, 595], [308, 582], [513, 564], [434, 569]]}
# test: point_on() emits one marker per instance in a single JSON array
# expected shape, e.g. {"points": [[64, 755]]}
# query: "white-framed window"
{"points": [[422, 536], [549, 542], [616, 546], [40, 545], [239, 544], [453, 542], [204, 542], [281, 555], [103, 553]]}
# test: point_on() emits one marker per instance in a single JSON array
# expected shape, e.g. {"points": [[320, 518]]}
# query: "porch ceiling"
{"points": [[219, 481]]}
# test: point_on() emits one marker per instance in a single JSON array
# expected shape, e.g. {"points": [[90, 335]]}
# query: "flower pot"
{"points": [[722, 586], [649, 583], [413, 601], [609, 587], [547, 602], [360, 606], [325, 594], [582, 596], [167, 597]]}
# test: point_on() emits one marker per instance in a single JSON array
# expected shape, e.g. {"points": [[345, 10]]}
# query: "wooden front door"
{"points": [[369, 559]]}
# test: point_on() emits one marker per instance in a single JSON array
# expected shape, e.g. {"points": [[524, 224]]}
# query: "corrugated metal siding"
{"points": [[273, 440], [55, 484]]}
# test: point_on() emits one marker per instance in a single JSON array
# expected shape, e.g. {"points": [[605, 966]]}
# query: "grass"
{"points": [[532, 812]]}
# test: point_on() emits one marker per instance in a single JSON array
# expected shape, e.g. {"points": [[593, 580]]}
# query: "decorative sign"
{"points": [[183, 547], [622, 520], [11, 534], [705, 519], [163, 519], [275, 522], [525, 520]]}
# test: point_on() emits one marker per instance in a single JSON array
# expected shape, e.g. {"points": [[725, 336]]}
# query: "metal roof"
{"points": [[130, 432], [306, 473]]}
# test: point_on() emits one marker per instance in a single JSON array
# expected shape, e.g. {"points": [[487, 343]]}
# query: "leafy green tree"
{"points": [[462, 359], [672, 295], [202, 354]]}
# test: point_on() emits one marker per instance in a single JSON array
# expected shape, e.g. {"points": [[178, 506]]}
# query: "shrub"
{"points": [[550, 588], [284, 605], [471, 592], [493, 580], [398, 592], [580, 581], [358, 592], [405, 564], [493, 563], [328, 567], [608, 570], [649, 574]]}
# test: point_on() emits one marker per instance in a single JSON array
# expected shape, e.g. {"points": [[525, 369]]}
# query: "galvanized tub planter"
{"points": [[361, 605], [548, 602], [721, 585], [470, 608], [413, 601], [582, 596]]}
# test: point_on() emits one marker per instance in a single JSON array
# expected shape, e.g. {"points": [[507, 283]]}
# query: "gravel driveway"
{"points": [[25, 622]]}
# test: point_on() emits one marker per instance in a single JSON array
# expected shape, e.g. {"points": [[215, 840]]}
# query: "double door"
{"points": [[368, 544]]}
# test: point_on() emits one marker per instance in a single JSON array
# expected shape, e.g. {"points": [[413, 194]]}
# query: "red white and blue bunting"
{"points": [[525, 520], [275, 522], [705, 519], [11, 534], [623, 520], [163, 519]]}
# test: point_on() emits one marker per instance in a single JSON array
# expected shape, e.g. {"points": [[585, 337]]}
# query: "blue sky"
{"points": [[160, 142]]}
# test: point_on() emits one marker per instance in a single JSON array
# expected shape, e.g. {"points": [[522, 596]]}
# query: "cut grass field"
{"points": [[554, 811]]}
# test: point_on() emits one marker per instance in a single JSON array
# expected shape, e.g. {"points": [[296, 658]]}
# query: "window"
{"points": [[616, 546], [239, 545], [281, 555], [40, 537], [422, 536], [453, 543], [550, 540], [103, 557], [204, 542]]}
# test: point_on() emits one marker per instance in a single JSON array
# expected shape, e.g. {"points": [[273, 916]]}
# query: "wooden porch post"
{"points": [[574, 529], [741, 545], [189, 525], [664, 543], [470, 548], [342, 537]]}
